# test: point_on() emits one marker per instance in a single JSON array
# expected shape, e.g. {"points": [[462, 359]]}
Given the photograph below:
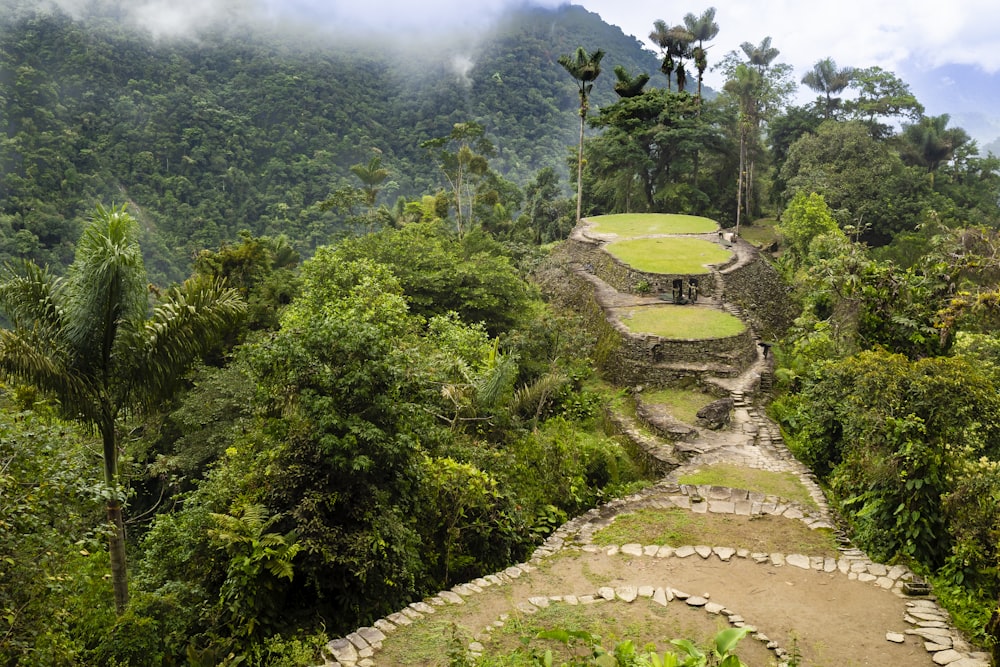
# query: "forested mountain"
{"points": [[400, 409], [244, 128]]}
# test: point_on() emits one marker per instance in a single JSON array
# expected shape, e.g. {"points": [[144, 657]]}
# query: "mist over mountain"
{"points": [[248, 125]]}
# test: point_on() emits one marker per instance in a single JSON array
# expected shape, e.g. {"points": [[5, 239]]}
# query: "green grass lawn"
{"points": [[683, 322], [683, 404], [782, 484], [679, 527], [642, 224], [669, 255], [761, 233]]}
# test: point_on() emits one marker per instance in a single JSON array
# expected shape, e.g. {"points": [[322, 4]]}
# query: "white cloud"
{"points": [[893, 34]]}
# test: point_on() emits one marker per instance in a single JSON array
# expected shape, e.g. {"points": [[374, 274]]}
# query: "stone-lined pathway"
{"points": [[762, 448], [751, 441]]}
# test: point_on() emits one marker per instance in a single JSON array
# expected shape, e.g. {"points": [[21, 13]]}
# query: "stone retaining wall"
{"points": [[739, 350], [756, 288], [626, 279]]}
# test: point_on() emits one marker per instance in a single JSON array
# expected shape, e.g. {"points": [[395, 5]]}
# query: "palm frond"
{"points": [[530, 399], [185, 325], [106, 284], [33, 357], [29, 296], [496, 383]]}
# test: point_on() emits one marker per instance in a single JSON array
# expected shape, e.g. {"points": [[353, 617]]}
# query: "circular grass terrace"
{"points": [[628, 225], [669, 256], [681, 322]]}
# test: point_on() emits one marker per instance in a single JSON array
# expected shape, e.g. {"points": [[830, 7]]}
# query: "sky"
{"points": [[948, 51]]}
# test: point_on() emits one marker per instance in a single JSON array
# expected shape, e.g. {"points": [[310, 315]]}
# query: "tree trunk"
{"points": [[739, 182], [116, 541], [116, 548], [579, 170]]}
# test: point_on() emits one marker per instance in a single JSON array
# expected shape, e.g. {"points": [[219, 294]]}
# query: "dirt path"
{"points": [[836, 609]]}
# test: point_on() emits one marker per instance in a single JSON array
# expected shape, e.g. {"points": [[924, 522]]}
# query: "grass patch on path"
{"points": [[678, 527], [673, 255], [761, 233], [785, 485], [643, 622], [683, 404], [642, 224], [682, 322]]}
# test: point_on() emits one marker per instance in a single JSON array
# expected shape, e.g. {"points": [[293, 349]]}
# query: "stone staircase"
{"points": [[752, 440]]}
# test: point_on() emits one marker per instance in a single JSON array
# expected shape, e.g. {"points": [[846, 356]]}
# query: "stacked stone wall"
{"points": [[626, 279], [755, 286]]}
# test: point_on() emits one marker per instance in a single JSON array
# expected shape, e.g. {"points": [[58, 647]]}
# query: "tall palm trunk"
{"points": [[116, 541], [579, 169], [740, 178]]}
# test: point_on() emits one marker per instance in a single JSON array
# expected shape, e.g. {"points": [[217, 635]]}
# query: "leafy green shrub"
{"points": [[469, 525]]}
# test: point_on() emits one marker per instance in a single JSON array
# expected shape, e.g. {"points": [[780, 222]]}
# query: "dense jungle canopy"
{"points": [[302, 290]]}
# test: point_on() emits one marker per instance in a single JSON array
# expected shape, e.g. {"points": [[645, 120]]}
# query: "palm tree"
{"points": [[675, 45], [585, 68], [745, 88], [372, 176], [702, 28], [931, 142], [825, 78], [87, 340], [760, 55], [628, 85]]}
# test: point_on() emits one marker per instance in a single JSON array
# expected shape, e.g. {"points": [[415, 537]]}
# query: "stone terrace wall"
{"points": [[623, 277], [647, 350], [628, 358], [755, 287]]}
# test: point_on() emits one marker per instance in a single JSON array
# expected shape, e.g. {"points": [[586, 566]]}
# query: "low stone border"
{"points": [[701, 499], [358, 648], [661, 595], [926, 618]]}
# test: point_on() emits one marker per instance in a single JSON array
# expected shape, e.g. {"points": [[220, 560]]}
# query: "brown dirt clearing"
{"points": [[838, 622]]}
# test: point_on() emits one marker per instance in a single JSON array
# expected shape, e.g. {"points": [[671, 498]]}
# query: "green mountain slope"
{"points": [[246, 130]]}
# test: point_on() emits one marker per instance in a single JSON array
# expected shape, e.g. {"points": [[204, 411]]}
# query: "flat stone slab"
{"points": [[399, 619], [895, 637], [946, 657], [627, 593], [451, 597], [724, 553], [632, 549], [422, 607], [384, 625], [372, 635], [342, 651], [798, 560]]}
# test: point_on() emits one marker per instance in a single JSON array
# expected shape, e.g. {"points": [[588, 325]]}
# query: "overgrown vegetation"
{"points": [[402, 410]]}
